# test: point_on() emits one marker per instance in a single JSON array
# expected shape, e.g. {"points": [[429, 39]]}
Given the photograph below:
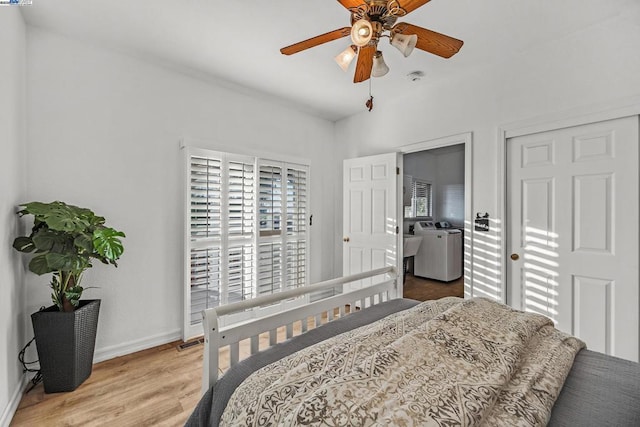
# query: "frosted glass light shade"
{"points": [[404, 43], [379, 68], [361, 32], [345, 57]]}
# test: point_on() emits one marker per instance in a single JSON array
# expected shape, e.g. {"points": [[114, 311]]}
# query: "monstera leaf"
{"points": [[24, 244], [108, 244]]}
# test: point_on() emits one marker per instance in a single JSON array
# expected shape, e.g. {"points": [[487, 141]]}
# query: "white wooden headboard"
{"points": [[217, 337]]}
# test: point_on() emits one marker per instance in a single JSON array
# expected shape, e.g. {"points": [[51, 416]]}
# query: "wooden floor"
{"points": [[424, 289], [155, 387]]}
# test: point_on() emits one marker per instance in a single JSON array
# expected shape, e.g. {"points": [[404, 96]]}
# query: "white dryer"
{"points": [[440, 254]]}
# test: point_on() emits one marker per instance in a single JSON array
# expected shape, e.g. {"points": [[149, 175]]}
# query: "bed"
{"points": [[588, 389]]}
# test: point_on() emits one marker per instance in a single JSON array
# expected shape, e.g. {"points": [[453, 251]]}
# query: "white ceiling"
{"points": [[239, 41]]}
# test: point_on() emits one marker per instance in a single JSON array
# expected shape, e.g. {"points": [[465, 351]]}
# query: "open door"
{"points": [[371, 228]]}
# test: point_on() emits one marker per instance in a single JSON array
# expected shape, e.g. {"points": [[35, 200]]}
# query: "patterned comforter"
{"points": [[441, 363]]}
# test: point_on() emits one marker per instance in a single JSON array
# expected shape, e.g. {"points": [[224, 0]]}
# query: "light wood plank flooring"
{"points": [[154, 387]]}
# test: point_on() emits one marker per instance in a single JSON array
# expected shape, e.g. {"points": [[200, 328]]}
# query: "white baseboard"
{"points": [[106, 353], [11, 408]]}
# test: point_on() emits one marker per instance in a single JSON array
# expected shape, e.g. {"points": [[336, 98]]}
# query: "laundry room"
{"points": [[434, 208]]}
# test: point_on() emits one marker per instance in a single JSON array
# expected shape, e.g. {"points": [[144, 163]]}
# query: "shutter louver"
{"points": [[296, 201], [270, 200], [240, 274], [206, 179], [296, 263], [269, 268], [205, 281], [241, 199]]}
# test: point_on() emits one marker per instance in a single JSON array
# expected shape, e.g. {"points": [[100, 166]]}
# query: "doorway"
{"points": [[436, 207]]}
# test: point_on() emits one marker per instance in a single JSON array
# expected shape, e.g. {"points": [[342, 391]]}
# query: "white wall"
{"points": [[597, 66], [421, 165], [449, 194], [444, 169], [104, 131], [13, 318]]}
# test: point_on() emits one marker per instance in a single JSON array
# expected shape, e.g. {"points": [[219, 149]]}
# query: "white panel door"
{"points": [[370, 216], [573, 231]]}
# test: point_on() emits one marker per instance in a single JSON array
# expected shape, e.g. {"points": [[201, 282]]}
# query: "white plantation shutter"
{"points": [[240, 231], [205, 229], [296, 236], [282, 203], [236, 246]]}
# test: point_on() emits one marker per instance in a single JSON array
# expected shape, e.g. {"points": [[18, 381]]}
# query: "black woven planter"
{"points": [[65, 343]]}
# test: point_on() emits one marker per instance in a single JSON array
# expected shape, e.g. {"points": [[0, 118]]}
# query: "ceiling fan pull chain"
{"points": [[369, 103]]}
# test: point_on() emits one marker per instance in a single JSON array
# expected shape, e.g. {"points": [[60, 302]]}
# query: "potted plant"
{"points": [[66, 240]]}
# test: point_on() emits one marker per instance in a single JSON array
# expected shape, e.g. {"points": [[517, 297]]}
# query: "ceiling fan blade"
{"points": [[348, 4], [430, 41], [365, 63], [317, 40], [411, 5]]}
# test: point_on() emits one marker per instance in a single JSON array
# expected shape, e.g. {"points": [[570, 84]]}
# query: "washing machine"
{"points": [[440, 253]]}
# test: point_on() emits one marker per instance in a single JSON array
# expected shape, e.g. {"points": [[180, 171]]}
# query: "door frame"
{"points": [[575, 117], [465, 138]]}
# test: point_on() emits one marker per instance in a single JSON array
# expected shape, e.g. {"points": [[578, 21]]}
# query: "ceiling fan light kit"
{"points": [[361, 32], [379, 68], [345, 57], [370, 21], [405, 44]]}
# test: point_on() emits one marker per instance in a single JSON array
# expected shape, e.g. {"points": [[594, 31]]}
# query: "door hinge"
{"points": [[397, 229], [397, 170]]}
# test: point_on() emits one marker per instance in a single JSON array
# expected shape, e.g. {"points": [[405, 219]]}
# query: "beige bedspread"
{"points": [[442, 363]]}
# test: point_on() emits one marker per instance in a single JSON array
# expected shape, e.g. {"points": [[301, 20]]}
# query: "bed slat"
{"points": [[234, 353]]}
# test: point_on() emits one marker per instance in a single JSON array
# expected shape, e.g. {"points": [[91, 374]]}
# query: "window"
{"points": [[246, 229], [421, 200]]}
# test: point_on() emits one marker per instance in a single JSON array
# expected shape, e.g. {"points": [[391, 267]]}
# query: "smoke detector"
{"points": [[415, 76]]}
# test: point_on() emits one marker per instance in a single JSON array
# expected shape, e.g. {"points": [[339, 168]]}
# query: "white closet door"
{"points": [[573, 231]]}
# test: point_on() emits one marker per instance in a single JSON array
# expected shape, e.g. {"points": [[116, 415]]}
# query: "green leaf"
{"points": [[23, 244], [62, 218], [36, 208], [45, 240], [84, 241], [107, 243], [74, 294], [39, 265], [66, 262]]}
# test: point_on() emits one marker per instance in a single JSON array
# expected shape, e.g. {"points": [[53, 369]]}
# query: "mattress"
{"points": [[600, 390]]}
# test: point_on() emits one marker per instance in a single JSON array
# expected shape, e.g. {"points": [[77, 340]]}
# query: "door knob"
{"points": [[515, 257], [345, 239]]}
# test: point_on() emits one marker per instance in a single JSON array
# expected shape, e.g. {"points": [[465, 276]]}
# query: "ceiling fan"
{"points": [[370, 21]]}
